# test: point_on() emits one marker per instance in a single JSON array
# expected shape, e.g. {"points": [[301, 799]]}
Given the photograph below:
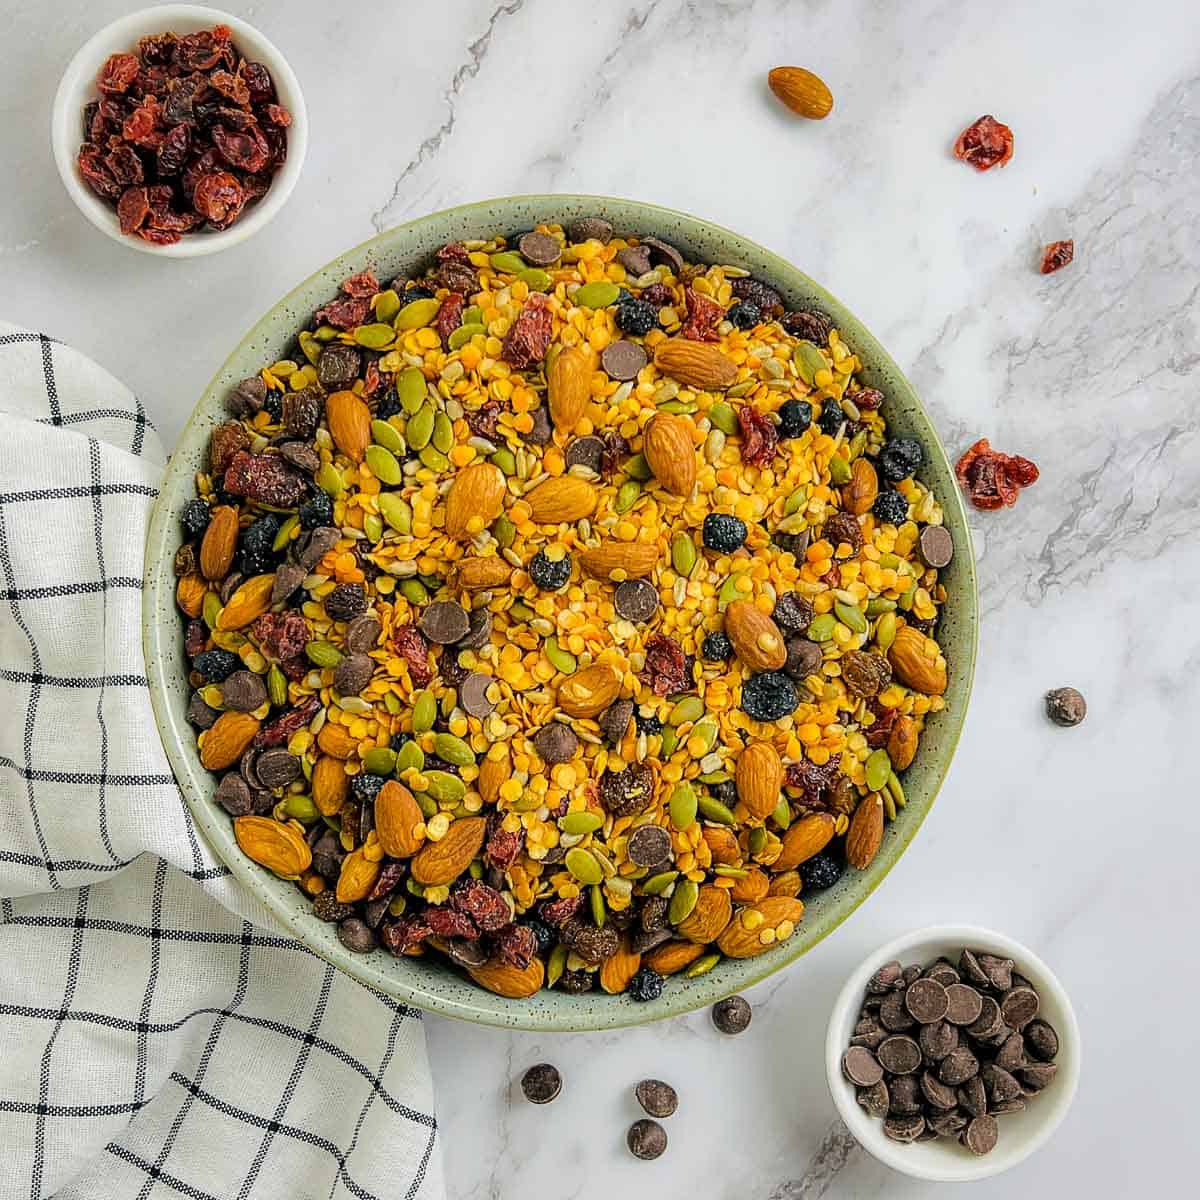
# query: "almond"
{"points": [[859, 494], [357, 877], [759, 777], [806, 837], [349, 421], [399, 822], [696, 364], [478, 574], [219, 543], [279, 848], [337, 741], [561, 499], [474, 500], [670, 452], [251, 600], [619, 561], [865, 832], [589, 692], [443, 862], [618, 969], [709, 917], [758, 927], [917, 661], [755, 636], [752, 888], [492, 773], [330, 785], [227, 740], [803, 92], [902, 743], [722, 845], [189, 594], [568, 387], [786, 883], [514, 983], [671, 957]]}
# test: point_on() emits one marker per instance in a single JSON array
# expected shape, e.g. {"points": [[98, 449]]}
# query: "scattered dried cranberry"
{"points": [[666, 666], [558, 912], [449, 316], [813, 780], [279, 731], [132, 209], [484, 420], [281, 636], [448, 922], [362, 286], [658, 294], [410, 644], [265, 478], [993, 480], [141, 126], [877, 735], [702, 317], [516, 945], [503, 847], [529, 337], [344, 313], [219, 198], [484, 905], [118, 72], [405, 934], [759, 436], [1057, 255], [985, 144]]}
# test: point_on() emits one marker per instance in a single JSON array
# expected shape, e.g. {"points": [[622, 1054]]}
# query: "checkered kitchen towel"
{"points": [[158, 1035]]}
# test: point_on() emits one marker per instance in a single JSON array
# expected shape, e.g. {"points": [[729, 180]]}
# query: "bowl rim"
{"points": [[490, 1009], [77, 84], [868, 1132]]}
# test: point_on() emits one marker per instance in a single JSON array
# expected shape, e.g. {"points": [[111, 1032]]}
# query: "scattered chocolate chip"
{"points": [[310, 550], [973, 1096], [1011, 1054], [199, 714], [585, 452], [936, 1092], [635, 260], [301, 455], [661, 251], [900, 1055], [970, 969], [1016, 1104], [1041, 1040], [276, 767], [541, 1083], [542, 432], [353, 674], [614, 722], [472, 695], [479, 630], [936, 546], [861, 1067], [556, 742], [875, 1099], [926, 1000], [445, 622], [466, 952], [233, 795], [1065, 706], [243, 691], [646, 1139], [540, 249], [659, 1099], [584, 229], [906, 1098], [355, 934], [288, 577], [947, 1124], [999, 1084], [998, 970], [1018, 1006], [732, 1015], [943, 972], [362, 634], [893, 1014], [937, 1040], [904, 1129], [884, 979], [636, 600], [622, 360], [648, 846], [980, 1135], [964, 1004], [958, 1066], [1035, 1076]]}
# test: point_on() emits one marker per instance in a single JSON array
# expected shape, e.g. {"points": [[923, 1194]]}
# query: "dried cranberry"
{"points": [[759, 436], [1056, 256], [484, 905], [207, 162], [174, 151], [449, 316], [703, 315], [124, 165], [179, 102], [157, 49], [665, 671], [389, 878], [1020, 470], [529, 336], [503, 848], [615, 448], [629, 792], [516, 945], [866, 399], [235, 118], [993, 480], [405, 934], [265, 478], [279, 732], [199, 51], [657, 294], [410, 644], [141, 126], [453, 252], [132, 209], [344, 313], [812, 779], [448, 922], [258, 80], [218, 198], [276, 114], [195, 638], [157, 235], [362, 286], [558, 912], [95, 173], [877, 734], [484, 420], [248, 151], [118, 72], [985, 144], [163, 218], [232, 87]]}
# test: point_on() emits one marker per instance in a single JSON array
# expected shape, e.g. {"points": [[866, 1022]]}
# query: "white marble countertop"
{"points": [[1081, 843]]}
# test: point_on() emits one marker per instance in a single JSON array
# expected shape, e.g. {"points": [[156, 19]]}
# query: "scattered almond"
{"points": [[279, 848], [616, 560], [444, 861], [349, 421], [589, 692], [474, 500], [866, 832], [756, 638], [568, 387], [219, 543], [562, 499], [759, 776], [803, 92], [670, 452], [698, 365]]}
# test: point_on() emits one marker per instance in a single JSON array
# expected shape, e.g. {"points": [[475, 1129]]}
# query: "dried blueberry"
{"points": [[260, 535], [795, 416], [388, 405], [416, 291], [195, 517], [723, 533], [793, 612], [769, 696], [635, 316], [650, 725], [550, 574], [215, 666], [890, 507], [716, 647], [366, 786], [646, 985], [744, 315], [831, 419], [545, 936], [820, 872], [726, 792], [273, 406], [900, 458], [316, 511]]}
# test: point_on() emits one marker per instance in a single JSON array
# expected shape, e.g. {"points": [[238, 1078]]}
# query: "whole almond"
{"points": [[902, 743], [670, 452], [756, 638], [227, 740], [618, 969], [859, 494], [474, 500], [330, 785], [619, 561], [399, 822], [803, 92], [866, 832], [698, 365], [250, 600], [918, 661], [671, 957], [357, 877], [444, 861], [492, 773], [752, 887], [279, 848], [219, 543], [707, 920], [189, 594], [562, 499], [744, 935], [337, 740], [589, 692], [478, 574], [786, 883], [568, 387], [514, 983], [722, 845], [759, 776], [349, 421], [804, 838]]}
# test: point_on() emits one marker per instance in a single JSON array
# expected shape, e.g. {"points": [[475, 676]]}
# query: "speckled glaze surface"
{"points": [[431, 985]]}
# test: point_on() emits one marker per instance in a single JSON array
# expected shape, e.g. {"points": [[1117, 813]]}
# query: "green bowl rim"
{"points": [[491, 1009]]}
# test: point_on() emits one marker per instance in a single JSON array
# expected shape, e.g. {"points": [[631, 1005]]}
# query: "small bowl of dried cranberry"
{"points": [[179, 130]]}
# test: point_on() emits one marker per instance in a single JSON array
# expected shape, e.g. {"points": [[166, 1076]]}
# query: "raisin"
{"points": [[809, 325], [629, 792], [124, 165], [703, 315], [793, 612], [635, 316], [575, 983], [890, 507], [346, 601], [302, 412], [174, 151], [900, 458], [666, 666], [759, 436], [812, 779], [985, 144], [594, 944], [449, 316], [766, 299], [410, 644], [276, 114], [218, 198], [843, 528], [615, 448], [327, 907], [558, 912], [529, 337], [199, 51], [658, 294], [118, 72], [265, 478], [215, 666], [865, 674], [723, 533], [486, 907], [820, 872], [258, 80], [744, 315], [484, 420], [248, 151]]}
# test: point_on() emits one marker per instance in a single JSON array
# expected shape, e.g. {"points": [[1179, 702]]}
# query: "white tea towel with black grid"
{"points": [[158, 1035]]}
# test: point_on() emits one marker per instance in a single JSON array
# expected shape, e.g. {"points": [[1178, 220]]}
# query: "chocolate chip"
{"points": [[803, 658], [276, 768], [1065, 706], [874, 1100], [900, 1055], [861, 1067], [541, 432], [1016, 1104], [659, 1099], [1011, 1054], [958, 1066], [644, 940], [362, 634], [353, 674], [926, 1000], [964, 1004], [947, 1124], [623, 360], [998, 970], [973, 1096], [199, 714], [935, 545], [970, 969], [614, 721], [999, 1084], [989, 1021], [905, 1094], [243, 691], [1018, 1006], [635, 260], [646, 1139], [893, 1013], [233, 795], [732, 1015], [586, 452], [540, 249], [472, 695], [937, 1040], [584, 229], [904, 1129], [302, 455], [246, 768], [1041, 1040], [556, 742], [479, 630], [355, 934], [636, 600], [288, 577], [980, 1136], [908, 976], [444, 622], [883, 979], [661, 251], [648, 846], [466, 952], [936, 1092], [1035, 1076], [541, 1083], [313, 548], [943, 972]]}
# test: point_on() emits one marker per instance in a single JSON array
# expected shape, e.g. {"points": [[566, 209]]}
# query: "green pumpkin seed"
{"points": [[373, 527], [535, 279], [889, 562], [555, 965], [380, 761], [420, 427], [427, 804], [388, 436], [301, 808], [374, 337], [702, 966], [795, 501], [670, 739], [424, 712], [410, 389], [880, 605], [706, 731], [285, 532], [325, 333], [579, 823], [453, 750], [713, 810], [507, 261], [677, 407], [463, 334], [443, 433], [730, 592], [820, 628], [520, 611], [596, 295], [895, 790], [687, 892], [731, 872], [851, 616], [414, 591], [839, 470], [690, 708], [683, 554], [809, 360], [383, 465], [396, 511], [560, 659], [638, 468], [583, 865], [909, 597], [878, 768], [858, 443], [475, 869], [885, 631], [682, 806], [782, 816], [416, 314], [409, 755], [757, 841], [724, 418], [599, 912], [504, 531], [627, 495], [506, 461], [433, 458], [330, 481], [323, 654], [387, 305], [472, 315], [310, 347], [444, 787], [411, 885], [657, 884], [712, 777], [212, 609], [392, 703], [277, 686]]}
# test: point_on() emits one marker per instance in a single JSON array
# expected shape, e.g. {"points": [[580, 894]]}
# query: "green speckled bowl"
{"points": [[430, 985]]}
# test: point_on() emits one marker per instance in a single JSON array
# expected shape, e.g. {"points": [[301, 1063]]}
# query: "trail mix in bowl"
{"points": [[566, 611]]}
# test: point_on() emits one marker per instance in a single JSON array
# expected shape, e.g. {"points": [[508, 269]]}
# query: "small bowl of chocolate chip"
{"points": [[952, 1053]]}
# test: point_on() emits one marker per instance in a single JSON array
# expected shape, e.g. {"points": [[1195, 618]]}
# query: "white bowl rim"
{"points": [[868, 1131], [77, 86]]}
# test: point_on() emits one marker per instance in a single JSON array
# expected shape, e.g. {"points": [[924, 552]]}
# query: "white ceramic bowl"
{"points": [[1021, 1133], [78, 86]]}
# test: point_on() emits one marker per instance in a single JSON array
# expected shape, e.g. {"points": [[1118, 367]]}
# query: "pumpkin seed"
{"points": [[690, 708], [756, 843], [583, 865], [443, 433], [329, 480], [729, 592], [555, 965], [599, 912], [820, 628], [387, 305], [809, 360], [472, 315], [895, 790], [687, 892], [414, 591], [713, 810], [795, 501], [504, 531], [627, 495], [410, 755], [702, 966], [520, 611], [392, 703], [453, 750], [410, 389], [388, 436], [535, 279], [380, 761], [374, 337], [677, 407], [562, 660], [325, 333], [881, 604], [301, 808], [596, 295], [428, 806], [885, 631], [839, 471], [670, 739], [506, 461], [683, 554], [373, 527], [906, 601], [712, 777], [424, 712], [878, 768], [212, 609], [579, 823], [396, 511], [638, 468], [383, 465], [444, 787], [889, 562], [724, 418], [420, 427], [657, 884], [310, 347], [323, 654], [851, 616], [463, 334], [858, 443], [285, 532], [277, 686], [416, 314], [433, 458], [782, 816], [731, 872], [706, 731], [507, 261], [682, 806]]}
